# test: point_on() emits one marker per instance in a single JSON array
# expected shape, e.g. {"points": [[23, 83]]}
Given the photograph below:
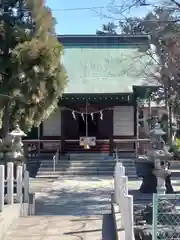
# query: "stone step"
{"points": [[79, 162], [94, 155], [76, 169], [81, 168], [44, 177], [83, 163], [65, 158], [80, 156], [102, 158], [42, 156], [96, 164], [128, 173], [175, 165], [132, 173], [70, 176]]}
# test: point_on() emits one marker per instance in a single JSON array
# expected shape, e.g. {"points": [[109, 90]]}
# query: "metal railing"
{"points": [[166, 217], [32, 146], [97, 140], [55, 159]]}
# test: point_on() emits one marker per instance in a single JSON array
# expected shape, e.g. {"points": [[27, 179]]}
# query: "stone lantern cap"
{"points": [[157, 130], [17, 132]]}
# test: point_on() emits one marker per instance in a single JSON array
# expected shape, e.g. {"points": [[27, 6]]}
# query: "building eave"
{"points": [[102, 39]]}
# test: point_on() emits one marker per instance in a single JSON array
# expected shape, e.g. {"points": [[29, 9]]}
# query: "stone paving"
{"points": [[56, 228], [86, 196], [69, 210], [40, 185], [72, 209]]}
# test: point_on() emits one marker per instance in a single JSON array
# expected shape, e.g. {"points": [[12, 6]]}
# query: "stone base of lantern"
{"points": [[149, 184]]}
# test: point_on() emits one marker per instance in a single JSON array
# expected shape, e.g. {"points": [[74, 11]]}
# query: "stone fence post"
{"points": [[128, 217], [124, 201], [10, 182], [2, 180], [19, 183], [119, 171], [26, 186], [123, 192]]}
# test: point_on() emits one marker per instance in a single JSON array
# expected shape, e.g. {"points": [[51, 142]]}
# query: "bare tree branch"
{"points": [[176, 3]]}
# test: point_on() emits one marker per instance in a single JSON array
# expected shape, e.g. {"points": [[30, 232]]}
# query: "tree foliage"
{"points": [[30, 63], [162, 25]]}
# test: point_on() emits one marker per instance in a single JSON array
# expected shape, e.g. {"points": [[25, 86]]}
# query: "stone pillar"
{"points": [[128, 217], [161, 187], [19, 182], [160, 175], [26, 186], [2, 179], [123, 184], [10, 182]]}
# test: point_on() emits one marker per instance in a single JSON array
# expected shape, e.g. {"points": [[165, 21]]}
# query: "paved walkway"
{"points": [[72, 210], [56, 228], [69, 210], [86, 196]]}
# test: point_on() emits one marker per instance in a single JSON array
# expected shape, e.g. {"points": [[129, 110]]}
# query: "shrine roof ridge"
{"points": [[103, 39]]}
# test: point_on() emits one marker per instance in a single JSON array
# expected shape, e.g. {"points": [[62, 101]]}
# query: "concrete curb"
{"points": [[8, 217], [120, 232]]}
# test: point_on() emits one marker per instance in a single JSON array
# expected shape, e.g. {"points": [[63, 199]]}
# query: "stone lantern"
{"points": [[154, 165], [160, 155], [17, 150]]}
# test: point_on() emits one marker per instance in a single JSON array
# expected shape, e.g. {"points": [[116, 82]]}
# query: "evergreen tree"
{"points": [[32, 76]]}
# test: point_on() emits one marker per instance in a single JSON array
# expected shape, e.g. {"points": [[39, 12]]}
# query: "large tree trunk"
{"points": [[5, 121]]}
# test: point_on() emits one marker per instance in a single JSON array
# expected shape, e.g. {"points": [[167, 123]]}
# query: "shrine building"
{"points": [[106, 76]]}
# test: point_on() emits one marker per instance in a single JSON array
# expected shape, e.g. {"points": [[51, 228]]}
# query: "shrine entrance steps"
{"points": [[84, 164]]}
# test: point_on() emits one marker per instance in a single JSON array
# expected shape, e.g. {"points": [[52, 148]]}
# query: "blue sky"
{"points": [[85, 21]]}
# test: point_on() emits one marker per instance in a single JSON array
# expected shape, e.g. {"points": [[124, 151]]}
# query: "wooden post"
{"points": [[111, 146]]}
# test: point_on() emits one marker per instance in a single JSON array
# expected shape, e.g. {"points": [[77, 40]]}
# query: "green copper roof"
{"points": [[102, 69]]}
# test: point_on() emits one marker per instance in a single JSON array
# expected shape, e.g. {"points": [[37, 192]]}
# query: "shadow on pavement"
{"points": [[74, 202]]}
